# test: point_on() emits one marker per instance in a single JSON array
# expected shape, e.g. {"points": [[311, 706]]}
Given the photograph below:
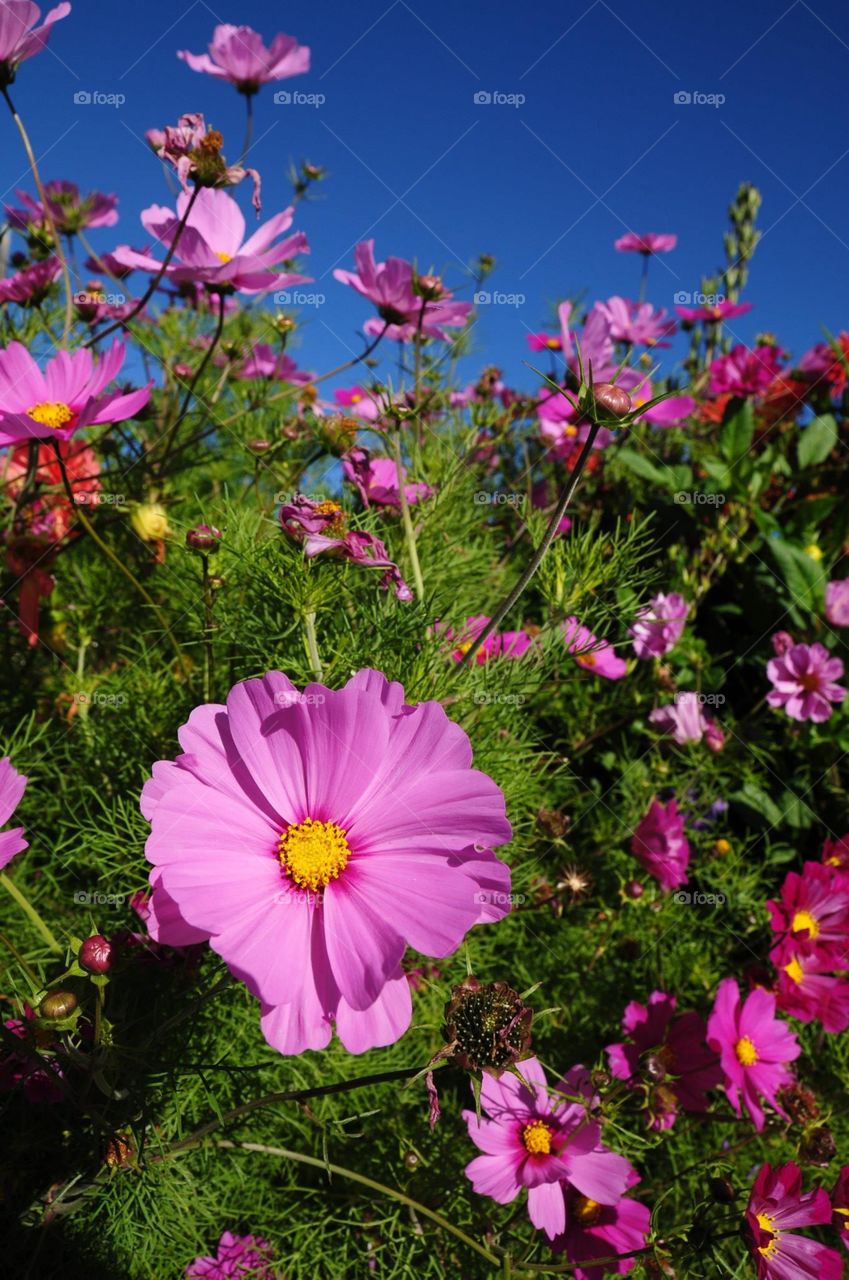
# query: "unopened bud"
{"points": [[57, 1005], [203, 537], [615, 400], [96, 954]]}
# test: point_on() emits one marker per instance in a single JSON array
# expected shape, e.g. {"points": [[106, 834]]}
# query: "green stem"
{"points": [[190, 390], [27, 907], [312, 644], [409, 531], [208, 629]]}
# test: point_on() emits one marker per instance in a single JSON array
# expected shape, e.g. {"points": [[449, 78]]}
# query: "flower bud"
{"points": [[781, 642], [57, 1005], [150, 521], [614, 400], [487, 1026], [259, 446], [203, 537], [818, 1146], [722, 1190], [634, 889], [428, 287], [96, 954]]}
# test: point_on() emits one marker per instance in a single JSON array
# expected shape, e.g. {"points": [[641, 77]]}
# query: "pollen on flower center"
{"points": [[804, 920], [537, 1138], [313, 853], [766, 1223], [336, 526], [794, 970], [747, 1054], [224, 258], [50, 413], [586, 1211]]}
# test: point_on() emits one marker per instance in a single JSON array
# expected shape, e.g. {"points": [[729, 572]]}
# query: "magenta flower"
{"points": [[671, 412], [682, 719], [248, 1256], [558, 426], [807, 988], [592, 654], [536, 1139], [390, 286], [320, 527], [70, 211], [837, 602], [775, 1207], [67, 395], [596, 1230], [237, 54], [805, 682], [840, 1205], [555, 342], [651, 242], [715, 313], [637, 322], [754, 1048], [20, 38], [659, 625], [12, 787], [311, 837], [359, 403], [835, 853], [264, 362], [744, 372], [660, 846], [499, 644], [376, 480], [678, 1041], [39, 1084], [812, 914], [30, 284], [194, 152], [212, 249]]}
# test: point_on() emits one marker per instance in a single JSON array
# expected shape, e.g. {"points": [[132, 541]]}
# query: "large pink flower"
{"points": [[805, 682], [659, 625], [812, 912], [67, 395], [659, 844], [212, 249], [637, 322], [777, 1205], [650, 242], [754, 1048], [238, 54], [20, 38], [12, 787], [538, 1140], [311, 837], [744, 372], [390, 286]]}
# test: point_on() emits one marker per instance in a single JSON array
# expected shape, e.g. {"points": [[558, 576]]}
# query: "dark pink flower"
{"points": [[808, 988], [754, 1048], [360, 403], [499, 644], [744, 372], [596, 1230], [30, 284], [837, 602], [659, 844], [596, 656], [71, 212], [12, 787], [248, 1256], [320, 527], [264, 362], [376, 480], [812, 913], [390, 286], [237, 54], [637, 322], [678, 1041], [840, 1205], [20, 38], [805, 682], [715, 313], [835, 853], [651, 242], [22, 1070], [659, 625], [781, 641], [671, 412], [775, 1207]]}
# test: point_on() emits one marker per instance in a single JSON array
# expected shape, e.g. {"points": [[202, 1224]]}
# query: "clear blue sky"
{"points": [[599, 145]]}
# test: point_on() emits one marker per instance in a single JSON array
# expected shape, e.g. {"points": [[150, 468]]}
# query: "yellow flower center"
{"points": [[747, 1054], [224, 258], [804, 920], [570, 431], [313, 853], [537, 1138], [794, 970], [50, 413], [356, 398], [766, 1223], [586, 660], [553, 343], [335, 526], [586, 1211]]}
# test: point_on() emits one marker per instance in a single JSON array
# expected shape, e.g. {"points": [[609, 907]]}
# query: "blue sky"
{"points": [[597, 147]]}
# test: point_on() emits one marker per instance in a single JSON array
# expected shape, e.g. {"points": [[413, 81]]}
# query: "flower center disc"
{"points": [[313, 853], [804, 920], [747, 1054], [766, 1223], [794, 970], [224, 258], [586, 1211], [50, 413], [537, 1138]]}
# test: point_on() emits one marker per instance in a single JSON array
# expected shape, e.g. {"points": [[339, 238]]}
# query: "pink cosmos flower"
{"points": [[679, 1042], [39, 1084], [837, 602], [194, 152], [812, 913], [538, 1140], [30, 284], [596, 1230], [71, 212], [67, 395], [499, 644], [807, 988], [775, 1207], [20, 38], [12, 787], [559, 427], [660, 846], [636, 322], [805, 682], [651, 242], [744, 372], [840, 1205], [835, 853], [320, 527], [376, 480], [659, 625], [671, 412], [592, 654], [754, 1048], [359, 403], [212, 249], [248, 1256], [264, 362], [555, 342], [390, 286], [682, 719], [715, 313], [237, 54], [311, 837]]}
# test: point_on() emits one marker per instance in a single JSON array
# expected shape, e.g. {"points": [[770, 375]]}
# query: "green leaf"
{"points": [[816, 440], [758, 805], [738, 432], [642, 466], [802, 576]]}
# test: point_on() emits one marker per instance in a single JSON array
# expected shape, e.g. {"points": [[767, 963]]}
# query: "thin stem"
{"points": [[27, 907], [644, 276], [48, 216], [409, 531], [190, 390], [536, 559], [154, 284], [312, 644], [208, 630], [249, 126]]}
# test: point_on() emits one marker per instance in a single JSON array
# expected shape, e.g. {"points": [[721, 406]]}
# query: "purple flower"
{"points": [[12, 787], [376, 480], [237, 54], [805, 682], [320, 527], [70, 211], [714, 313], [31, 283], [837, 602], [20, 38], [660, 846], [744, 372], [650, 242], [637, 322], [682, 719], [248, 1256], [659, 624], [754, 1048], [390, 285], [777, 1205]]}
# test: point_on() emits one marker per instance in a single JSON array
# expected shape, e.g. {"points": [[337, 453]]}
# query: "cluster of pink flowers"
{"points": [[810, 952], [248, 1256]]}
